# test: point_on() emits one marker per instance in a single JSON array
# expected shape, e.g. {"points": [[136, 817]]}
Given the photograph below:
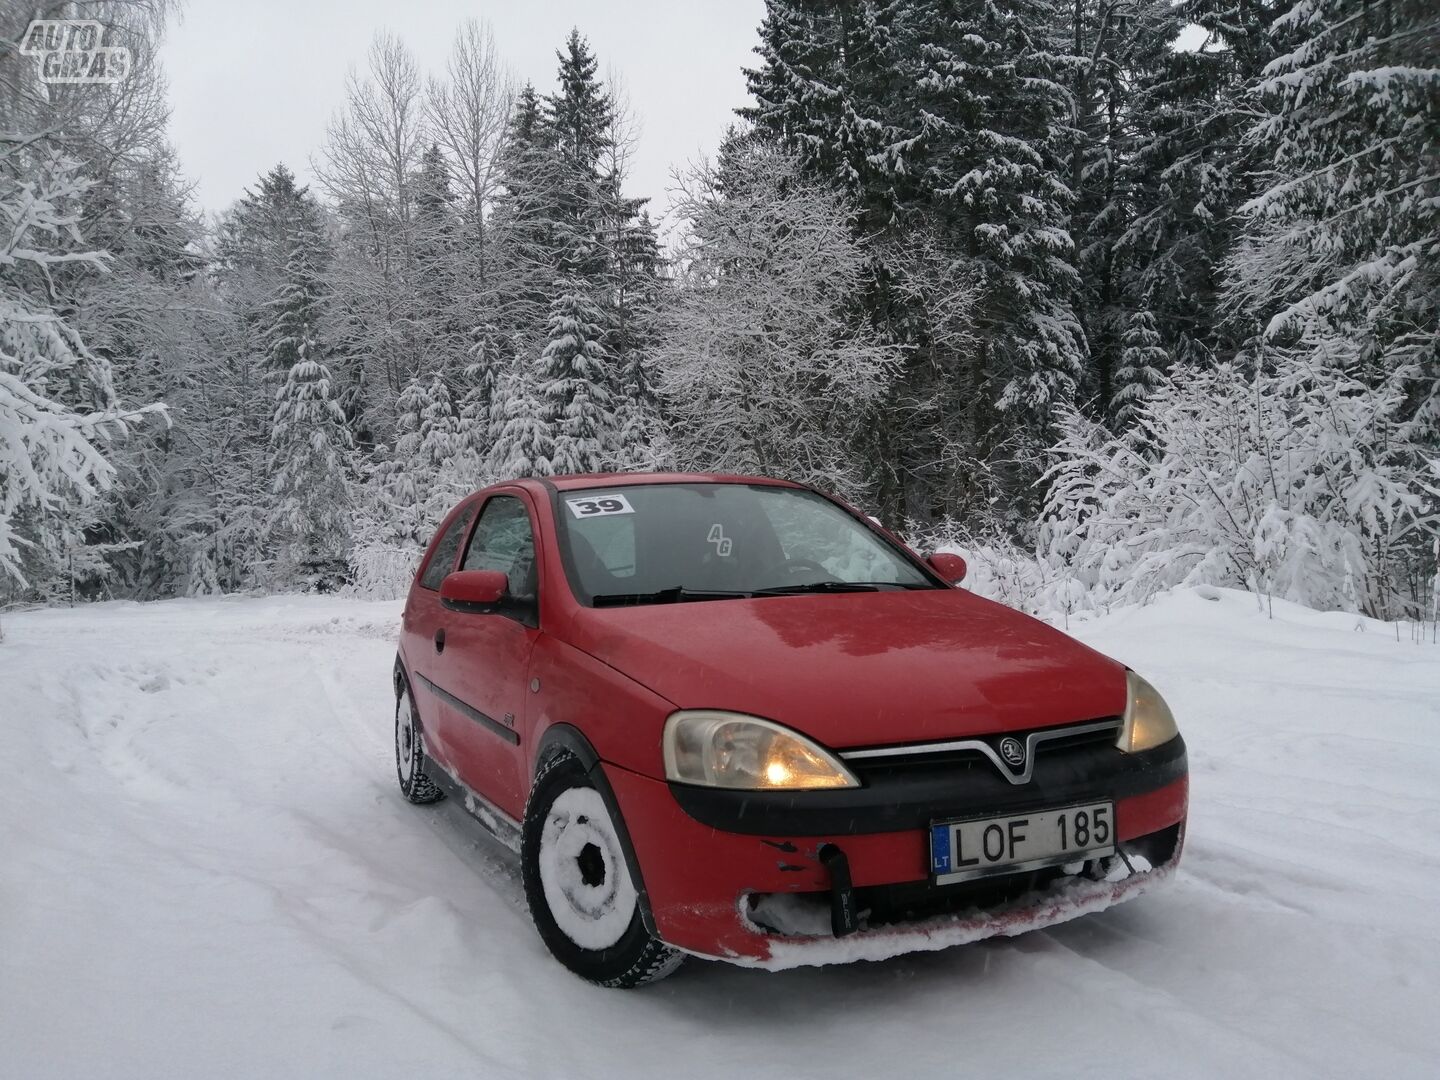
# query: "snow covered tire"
{"points": [[415, 785], [578, 883]]}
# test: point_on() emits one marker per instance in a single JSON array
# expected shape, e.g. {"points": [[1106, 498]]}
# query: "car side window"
{"points": [[504, 541], [443, 560]]}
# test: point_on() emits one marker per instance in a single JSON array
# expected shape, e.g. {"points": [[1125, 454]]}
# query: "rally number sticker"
{"points": [[600, 505]]}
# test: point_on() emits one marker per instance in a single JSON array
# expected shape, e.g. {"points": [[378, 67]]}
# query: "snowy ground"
{"points": [[205, 869]]}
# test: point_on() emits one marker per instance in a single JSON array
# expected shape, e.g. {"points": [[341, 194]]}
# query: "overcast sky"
{"points": [[254, 83]]}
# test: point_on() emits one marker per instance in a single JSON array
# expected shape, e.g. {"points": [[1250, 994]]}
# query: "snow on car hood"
{"points": [[857, 669]]}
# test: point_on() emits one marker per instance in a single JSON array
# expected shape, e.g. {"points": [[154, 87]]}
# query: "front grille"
{"points": [[1099, 736], [948, 759], [1053, 745]]}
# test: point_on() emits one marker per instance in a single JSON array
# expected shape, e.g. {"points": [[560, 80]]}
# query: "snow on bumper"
{"points": [[1076, 897]]}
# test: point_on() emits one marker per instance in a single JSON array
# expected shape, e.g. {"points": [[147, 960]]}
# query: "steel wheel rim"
{"points": [[405, 740], [583, 874]]}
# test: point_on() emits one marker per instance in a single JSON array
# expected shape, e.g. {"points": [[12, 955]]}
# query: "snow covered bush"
{"points": [[1002, 569], [1295, 480]]}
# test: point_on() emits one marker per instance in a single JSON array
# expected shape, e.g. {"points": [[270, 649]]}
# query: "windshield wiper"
{"points": [[822, 586], [675, 595], [679, 594]]}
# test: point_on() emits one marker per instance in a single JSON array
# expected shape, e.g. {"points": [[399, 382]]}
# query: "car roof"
{"points": [[572, 481]]}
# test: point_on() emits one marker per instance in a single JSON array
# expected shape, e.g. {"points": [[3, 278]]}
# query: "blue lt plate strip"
{"points": [[940, 848]]}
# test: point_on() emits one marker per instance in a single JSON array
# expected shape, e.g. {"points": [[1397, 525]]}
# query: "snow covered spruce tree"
{"points": [[574, 382], [1190, 168], [1107, 52], [524, 248], [524, 443], [1345, 237], [576, 263], [577, 121], [1340, 264], [1002, 108], [439, 286], [606, 248], [944, 119], [1143, 365], [763, 363], [308, 436]]}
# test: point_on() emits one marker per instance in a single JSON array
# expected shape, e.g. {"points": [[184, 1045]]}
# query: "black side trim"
{"points": [[491, 725], [563, 736], [897, 799]]}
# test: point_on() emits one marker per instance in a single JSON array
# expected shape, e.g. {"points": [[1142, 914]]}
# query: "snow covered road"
{"points": [[206, 869]]}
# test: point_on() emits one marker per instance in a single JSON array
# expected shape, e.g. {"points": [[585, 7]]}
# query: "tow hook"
{"points": [[843, 919]]}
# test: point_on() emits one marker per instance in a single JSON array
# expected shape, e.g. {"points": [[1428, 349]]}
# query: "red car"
{"points": [[732, 717]]}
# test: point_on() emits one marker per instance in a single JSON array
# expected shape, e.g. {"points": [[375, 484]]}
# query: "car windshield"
{"points": [[659, 543]]}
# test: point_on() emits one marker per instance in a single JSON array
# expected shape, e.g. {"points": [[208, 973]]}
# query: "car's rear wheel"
{"points": [[578, 883], [415, 785]]}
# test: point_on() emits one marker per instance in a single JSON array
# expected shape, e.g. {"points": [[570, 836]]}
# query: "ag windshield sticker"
{"points": [[720, 540], [600, 505]]}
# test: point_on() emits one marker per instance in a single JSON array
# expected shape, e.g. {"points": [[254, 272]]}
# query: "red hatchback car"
{"points": [[732, 717]]}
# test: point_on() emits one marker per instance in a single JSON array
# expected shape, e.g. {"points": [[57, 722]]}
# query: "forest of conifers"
{"points": [[1017, 275]]}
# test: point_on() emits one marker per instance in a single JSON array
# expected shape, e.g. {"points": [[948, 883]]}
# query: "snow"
{"points": [[1069, 900], [208, 868], [593, 913]]}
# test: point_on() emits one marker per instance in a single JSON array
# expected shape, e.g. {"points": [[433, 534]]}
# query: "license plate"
{"points": [[984, 847]]}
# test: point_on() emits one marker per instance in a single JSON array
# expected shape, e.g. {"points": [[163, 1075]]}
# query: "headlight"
{"points": [[1148, 720], [730, 750]]}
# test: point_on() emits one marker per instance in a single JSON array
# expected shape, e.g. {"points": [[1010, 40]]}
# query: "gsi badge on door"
{"points": [[985, 847]]}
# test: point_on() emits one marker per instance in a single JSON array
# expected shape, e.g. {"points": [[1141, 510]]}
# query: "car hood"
{"points": [[858, 669]]}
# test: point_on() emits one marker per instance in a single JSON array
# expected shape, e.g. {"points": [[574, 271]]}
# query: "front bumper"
{"points": [[706, 860]]}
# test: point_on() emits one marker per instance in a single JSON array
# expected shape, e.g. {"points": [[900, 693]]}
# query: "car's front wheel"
{"points": [[415, 785], [578, 884]]}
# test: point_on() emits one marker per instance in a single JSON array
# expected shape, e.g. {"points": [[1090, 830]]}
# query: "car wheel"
{"points": [[578, 884], [410, 753]]}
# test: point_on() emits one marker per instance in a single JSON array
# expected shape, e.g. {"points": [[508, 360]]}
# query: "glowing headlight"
{"points": [[730, 750], [1148, 720]]}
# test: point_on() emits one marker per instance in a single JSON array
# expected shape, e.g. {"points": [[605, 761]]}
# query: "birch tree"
{"points": [[762, 365]]}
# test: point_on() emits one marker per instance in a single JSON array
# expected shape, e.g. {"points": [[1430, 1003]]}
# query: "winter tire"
{"points": [[415, 785], [578, 883]]}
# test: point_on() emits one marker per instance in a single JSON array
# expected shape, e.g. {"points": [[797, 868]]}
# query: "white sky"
{"points": [[253, 83]]}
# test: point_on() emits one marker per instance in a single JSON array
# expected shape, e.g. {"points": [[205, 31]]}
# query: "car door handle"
{"points": [[440, 640]]}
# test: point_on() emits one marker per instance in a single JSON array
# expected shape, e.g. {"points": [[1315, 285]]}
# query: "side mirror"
{"points": [[951, 568], [475, 591]]}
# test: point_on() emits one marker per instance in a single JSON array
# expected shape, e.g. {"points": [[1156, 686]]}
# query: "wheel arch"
{"points": [[564, 738], [400, 678]]}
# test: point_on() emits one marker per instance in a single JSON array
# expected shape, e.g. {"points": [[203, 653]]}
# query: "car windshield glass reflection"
{"points": [[675, 543]]}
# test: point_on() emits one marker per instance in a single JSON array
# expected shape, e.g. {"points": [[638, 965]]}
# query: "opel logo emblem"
{"points": [[1012, 751]]}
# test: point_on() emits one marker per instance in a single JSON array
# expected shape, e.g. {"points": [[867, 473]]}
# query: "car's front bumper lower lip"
{"points": [[1059, 903], [699, 873]]}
